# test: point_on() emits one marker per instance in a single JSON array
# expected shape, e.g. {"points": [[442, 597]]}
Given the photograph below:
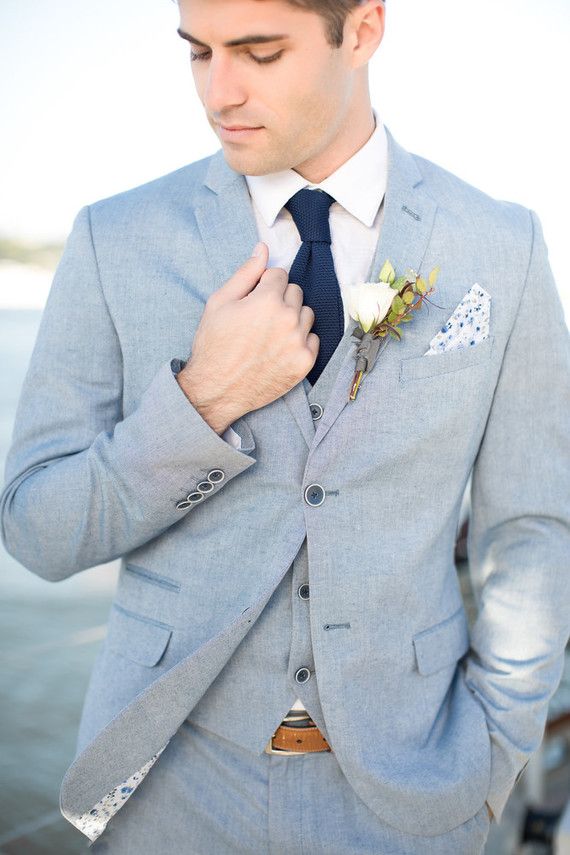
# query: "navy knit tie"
{"points": [[313, 269]]}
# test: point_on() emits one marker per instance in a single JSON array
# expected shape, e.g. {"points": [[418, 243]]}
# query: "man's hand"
{"points": [[252, 345]]}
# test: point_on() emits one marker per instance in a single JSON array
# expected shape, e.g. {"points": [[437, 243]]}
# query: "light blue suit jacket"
{"points": [[426, 718]]}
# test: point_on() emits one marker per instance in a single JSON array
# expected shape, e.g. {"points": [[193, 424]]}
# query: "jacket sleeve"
{"points": [[82, 485], [519, 530]]}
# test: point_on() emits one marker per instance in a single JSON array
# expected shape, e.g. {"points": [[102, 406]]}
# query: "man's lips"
{"points": [[237, 133], [238, 127]]}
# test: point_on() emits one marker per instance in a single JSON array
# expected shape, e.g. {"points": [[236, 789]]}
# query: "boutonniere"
{"points": [[380, 307]]}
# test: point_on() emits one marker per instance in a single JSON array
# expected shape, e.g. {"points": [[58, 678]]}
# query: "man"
{"points": [[288, 665]]}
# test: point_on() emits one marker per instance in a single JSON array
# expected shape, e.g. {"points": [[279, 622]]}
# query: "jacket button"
{"points": [[302, 675], [303, 591], [316, 411], [314, 495], [194, 497], [205, 486], [216, 475]]}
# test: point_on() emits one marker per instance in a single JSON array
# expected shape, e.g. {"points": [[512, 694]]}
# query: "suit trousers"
{"points": [[209, 796]]}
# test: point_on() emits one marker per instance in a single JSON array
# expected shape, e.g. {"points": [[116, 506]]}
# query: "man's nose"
{"points": [[224, 87]]}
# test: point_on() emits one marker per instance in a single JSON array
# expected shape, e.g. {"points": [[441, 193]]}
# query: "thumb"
{"points": [[248, 275]]}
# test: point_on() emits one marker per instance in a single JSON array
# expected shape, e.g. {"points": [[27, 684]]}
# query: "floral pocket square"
{"points": [[467, 326]]}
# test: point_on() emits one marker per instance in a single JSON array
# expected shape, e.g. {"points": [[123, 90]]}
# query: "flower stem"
{"points": [[355, 384]]}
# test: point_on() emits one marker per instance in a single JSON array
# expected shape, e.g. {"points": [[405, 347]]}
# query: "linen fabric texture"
{"points": [[428, 717]]}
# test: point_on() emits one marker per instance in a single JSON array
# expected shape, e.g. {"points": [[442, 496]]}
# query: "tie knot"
{"points": [[310, 211]]}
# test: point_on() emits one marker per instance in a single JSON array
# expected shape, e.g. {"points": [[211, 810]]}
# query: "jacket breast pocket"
{"points": [[137, 638], [443, 644], [436, 365]]}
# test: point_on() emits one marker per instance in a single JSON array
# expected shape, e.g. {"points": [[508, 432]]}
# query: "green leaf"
{"points": [[387, 274], [421, 285], [398, 305], [433, 276], [399, 283], [407, 297], [407, 319]]}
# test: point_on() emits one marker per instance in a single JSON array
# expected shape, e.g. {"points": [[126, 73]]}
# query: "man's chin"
{"points": [[245, 165]]}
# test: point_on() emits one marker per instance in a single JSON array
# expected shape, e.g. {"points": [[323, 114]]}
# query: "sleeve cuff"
{"points": [[238, 435], [232, 437]]}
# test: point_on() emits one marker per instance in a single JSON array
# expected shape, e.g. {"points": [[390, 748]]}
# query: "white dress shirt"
{"points": [[358, 187]]}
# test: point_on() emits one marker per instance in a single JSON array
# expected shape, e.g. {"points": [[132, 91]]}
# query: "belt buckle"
{"points": [[269, 749]]}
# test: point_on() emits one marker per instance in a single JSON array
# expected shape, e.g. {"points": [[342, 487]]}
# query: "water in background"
{"points": [[18, 330], [50, 636]]}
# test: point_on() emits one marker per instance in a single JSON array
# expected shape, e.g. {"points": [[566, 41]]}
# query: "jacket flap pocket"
{"points": [[136, 637], [442, 644]]}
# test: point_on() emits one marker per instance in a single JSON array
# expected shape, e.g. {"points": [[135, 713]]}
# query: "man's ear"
{"points": [[365, 30]]}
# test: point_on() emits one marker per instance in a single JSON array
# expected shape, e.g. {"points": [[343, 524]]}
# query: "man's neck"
{"points": [[327, 162]]}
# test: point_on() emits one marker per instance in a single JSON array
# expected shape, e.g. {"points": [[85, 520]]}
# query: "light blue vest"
{"points": [[253, 693]]}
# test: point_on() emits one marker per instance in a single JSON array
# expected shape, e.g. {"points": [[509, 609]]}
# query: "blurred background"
{"points": [[97, 98]]}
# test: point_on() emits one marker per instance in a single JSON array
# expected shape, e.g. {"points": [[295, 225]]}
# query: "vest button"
{"points": [[302, 675], [316, 411], [314, 495], [303, 591]]}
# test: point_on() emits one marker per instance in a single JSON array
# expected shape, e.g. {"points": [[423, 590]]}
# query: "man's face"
{"points": [[300, 102]]}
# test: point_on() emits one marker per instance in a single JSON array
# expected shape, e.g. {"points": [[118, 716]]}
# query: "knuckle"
{"points": [[273, 297], [290, 315], [296, 287], [274, 274]]}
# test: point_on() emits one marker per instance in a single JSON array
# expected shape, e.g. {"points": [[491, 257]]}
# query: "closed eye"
{"points": [[259, 59]]}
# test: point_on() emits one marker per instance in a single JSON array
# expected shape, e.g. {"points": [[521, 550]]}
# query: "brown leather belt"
{"points": [[289, 739]]}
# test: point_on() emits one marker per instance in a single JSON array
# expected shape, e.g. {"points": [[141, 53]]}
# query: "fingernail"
{"points": [[257, 250]]}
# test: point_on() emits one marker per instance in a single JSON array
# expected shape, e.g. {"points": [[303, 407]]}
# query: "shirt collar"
{"points": [[358, 184]]}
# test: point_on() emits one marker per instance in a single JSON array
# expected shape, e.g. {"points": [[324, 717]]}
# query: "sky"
{"points": [[99, 97]]}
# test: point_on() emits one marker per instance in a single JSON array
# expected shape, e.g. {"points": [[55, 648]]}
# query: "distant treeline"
{"points": [[42, 254]]}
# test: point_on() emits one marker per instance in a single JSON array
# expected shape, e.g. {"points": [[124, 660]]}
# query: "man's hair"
{"points": [[334, 13]]}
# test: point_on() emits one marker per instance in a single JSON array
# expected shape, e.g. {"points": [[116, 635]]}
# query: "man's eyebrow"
{"points": [[244, 40]]}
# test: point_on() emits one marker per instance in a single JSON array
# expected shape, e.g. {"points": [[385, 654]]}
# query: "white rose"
{"points": [[369, 303]]}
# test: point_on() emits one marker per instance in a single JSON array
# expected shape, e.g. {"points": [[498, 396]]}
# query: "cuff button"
{"points": [[216, 475], [181, 506]]}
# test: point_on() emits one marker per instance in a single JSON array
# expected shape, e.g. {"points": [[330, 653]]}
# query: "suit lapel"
{"points": [[409, 213], [227, 226], [228, 230], [225, 219]]}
